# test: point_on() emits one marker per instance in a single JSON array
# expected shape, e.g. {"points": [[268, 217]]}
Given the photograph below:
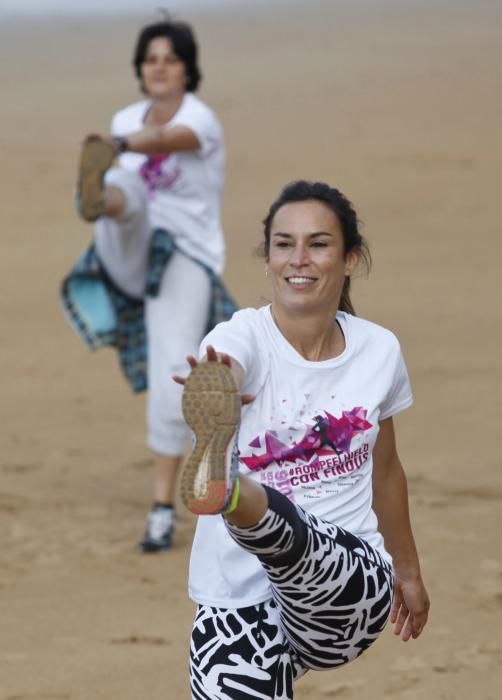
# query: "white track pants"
{"points": [[175, 320]]}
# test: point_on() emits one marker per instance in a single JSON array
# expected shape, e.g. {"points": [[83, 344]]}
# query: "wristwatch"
{"points": [[121, 143]]}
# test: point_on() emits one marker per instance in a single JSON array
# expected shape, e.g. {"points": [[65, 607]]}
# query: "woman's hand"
{"points": [[107, 139], [410, 608], [213, 356]]}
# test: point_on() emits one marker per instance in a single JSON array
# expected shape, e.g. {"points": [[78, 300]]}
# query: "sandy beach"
{"points": [[398, 105]]}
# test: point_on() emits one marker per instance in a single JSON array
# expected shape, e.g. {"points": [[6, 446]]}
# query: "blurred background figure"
{"points": [[149, 285]]}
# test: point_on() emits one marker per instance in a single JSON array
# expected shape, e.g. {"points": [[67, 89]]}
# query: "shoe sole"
{"points": [[212, 408], [95, 159]]}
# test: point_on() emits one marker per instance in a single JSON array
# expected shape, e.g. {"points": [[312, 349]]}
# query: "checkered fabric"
{"points": [[103, 315]]}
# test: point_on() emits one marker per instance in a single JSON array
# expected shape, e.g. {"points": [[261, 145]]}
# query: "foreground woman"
{"points": [[315, 549], [158, 244]]}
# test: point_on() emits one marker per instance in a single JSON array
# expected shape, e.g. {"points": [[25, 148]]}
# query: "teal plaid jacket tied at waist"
{"points": [[103, 315]]}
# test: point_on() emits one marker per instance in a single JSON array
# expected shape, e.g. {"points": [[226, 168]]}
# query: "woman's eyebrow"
{"points": [[313, 234]]}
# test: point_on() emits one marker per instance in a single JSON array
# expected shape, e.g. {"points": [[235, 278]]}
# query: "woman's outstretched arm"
{"points": [[152, 140], [162, 139]]}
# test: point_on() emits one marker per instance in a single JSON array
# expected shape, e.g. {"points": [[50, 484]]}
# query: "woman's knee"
{"points": [[132, 188], [167, 430]]}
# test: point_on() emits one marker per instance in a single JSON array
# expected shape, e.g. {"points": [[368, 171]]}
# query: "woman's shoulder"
{"points": [[194, 105], [370, 331], [244, 323], [249, 316]]}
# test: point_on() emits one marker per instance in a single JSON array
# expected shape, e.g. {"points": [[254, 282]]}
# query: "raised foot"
{"points": [[212, 408], [96, 157]]}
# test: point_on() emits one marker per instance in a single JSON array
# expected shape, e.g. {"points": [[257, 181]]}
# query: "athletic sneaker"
{"points": [[159, 529], [212, 408], [96, 157]]}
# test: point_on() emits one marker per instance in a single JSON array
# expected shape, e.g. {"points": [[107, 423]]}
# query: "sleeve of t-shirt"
{"points": [[399, 395], [128, 119], [115, 126], [237, 338], [203, 123]]}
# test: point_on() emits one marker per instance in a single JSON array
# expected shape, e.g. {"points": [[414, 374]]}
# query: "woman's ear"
{"points": [[351, 261]]}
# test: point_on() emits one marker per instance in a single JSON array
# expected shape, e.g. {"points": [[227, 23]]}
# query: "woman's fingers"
{"points": [[211, 354], [394, 610], [408, 625], [410, 608], [92, 137], [408, 629], [401, 618], [397, 601], [420, 620], [192, 361], [181, 380], [225, 359]]}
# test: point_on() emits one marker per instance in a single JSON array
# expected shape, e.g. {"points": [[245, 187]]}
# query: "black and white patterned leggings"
{"points": [[332, 595]]}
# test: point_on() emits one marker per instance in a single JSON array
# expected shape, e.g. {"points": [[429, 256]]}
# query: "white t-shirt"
{"points": [[185, 187], [309, 434]]}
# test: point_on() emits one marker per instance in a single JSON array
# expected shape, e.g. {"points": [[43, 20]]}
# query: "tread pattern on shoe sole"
{"points": [[95, 159], [212, 408]]}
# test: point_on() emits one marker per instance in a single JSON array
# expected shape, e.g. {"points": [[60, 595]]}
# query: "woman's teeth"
{"points": [[300, 280]]}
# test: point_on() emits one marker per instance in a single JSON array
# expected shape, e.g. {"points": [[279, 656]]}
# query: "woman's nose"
{"points": [[299, 256]]}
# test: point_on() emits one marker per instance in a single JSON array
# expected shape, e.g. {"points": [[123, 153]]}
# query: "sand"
{"points": [[399, 107]]}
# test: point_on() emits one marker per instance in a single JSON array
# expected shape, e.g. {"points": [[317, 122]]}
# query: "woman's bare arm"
{"points": [[390, 502], [162, 139]]}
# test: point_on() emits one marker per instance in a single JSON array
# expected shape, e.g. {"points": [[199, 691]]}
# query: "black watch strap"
{"points": [[121, 143]]}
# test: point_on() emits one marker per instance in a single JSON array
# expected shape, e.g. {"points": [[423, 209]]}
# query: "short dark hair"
{"points": [[184, 44], [304, 190]]}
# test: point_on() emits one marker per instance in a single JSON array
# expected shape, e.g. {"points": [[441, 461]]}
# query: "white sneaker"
{"points": [[159, 529]]}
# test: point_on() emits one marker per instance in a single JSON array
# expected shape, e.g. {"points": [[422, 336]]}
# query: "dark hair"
{"points": [[183, 40], [303, 190]]}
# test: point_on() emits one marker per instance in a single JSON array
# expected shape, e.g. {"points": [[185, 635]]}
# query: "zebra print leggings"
{"points": [[332, 594]]}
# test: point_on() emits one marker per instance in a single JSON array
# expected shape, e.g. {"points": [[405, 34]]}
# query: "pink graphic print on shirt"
{"points": [[160, 171], [327, 432], [323, 456]]}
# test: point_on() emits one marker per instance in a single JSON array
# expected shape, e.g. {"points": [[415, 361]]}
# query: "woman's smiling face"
{"points": [[307, 262], [163, 72]]}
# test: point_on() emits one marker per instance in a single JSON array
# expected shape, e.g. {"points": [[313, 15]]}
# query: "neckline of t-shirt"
{"points": [[292, 355], [148, 103]]}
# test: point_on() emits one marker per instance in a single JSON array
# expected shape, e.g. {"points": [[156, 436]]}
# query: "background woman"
{"points": [[158, 243], [315, 540]]}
